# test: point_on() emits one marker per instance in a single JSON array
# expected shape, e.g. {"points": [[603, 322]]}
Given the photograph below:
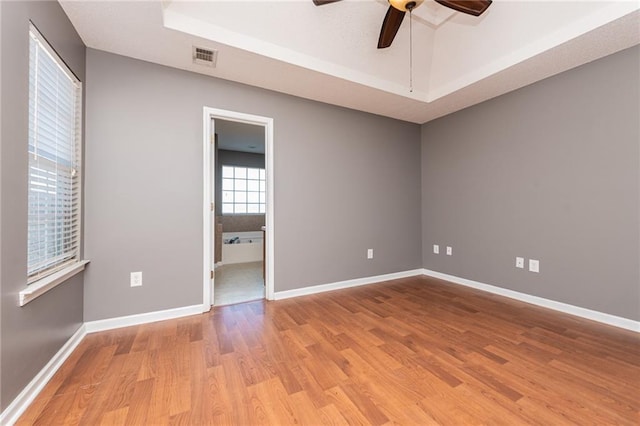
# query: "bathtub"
{"points": [[246, 248]]}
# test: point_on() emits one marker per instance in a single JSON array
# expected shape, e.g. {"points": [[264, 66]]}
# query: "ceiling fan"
{"points": [[398, 8]]}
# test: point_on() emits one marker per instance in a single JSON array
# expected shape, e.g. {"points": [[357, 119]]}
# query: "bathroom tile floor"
{"points": [[237, 283]]}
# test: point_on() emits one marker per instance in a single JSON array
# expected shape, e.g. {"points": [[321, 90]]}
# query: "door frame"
{"points": [[208, 163]]}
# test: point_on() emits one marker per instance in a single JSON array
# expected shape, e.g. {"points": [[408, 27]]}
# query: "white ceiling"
{"points": [[329, 53]]}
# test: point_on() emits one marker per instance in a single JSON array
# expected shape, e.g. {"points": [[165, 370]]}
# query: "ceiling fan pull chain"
{"points": [[410, 51]]}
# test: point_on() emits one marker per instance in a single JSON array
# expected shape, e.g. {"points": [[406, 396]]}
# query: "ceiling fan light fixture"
{"points": [[405, 5]]}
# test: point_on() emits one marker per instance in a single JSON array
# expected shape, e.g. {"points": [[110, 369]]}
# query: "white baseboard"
{"points": [[17, 407], [540, 301], [279, 295], [126, 321]]}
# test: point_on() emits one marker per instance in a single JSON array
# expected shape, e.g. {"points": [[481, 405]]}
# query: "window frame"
{"points": [[262, 179], [51, 271]]}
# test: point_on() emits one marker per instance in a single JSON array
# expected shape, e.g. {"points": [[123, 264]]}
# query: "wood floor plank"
{"points": [[303, 408], [138, 411], [105, 391], [410, 351], [89, 369], [360, 398], [218, 397], [79, 405], [159, 405], [276, 401], [56, 410], [115, 418], [345, 405], [330, 415], [239, 400]]}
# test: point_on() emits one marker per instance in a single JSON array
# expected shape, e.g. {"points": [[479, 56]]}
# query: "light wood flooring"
{"points": [[238, 282], [415, 351]]}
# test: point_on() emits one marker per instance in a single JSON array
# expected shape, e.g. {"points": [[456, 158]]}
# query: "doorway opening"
{"points": [[238, 207]]}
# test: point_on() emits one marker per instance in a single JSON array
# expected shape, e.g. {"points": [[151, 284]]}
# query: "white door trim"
{"points": [[210, 114]]}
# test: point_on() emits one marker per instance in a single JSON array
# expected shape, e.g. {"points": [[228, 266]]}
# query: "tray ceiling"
{"points": [[329, 53]]}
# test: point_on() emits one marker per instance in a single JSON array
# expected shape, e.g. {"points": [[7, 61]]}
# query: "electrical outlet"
{"points": [[369, 253], [534, 265], [449, 251], [520, 262], [436, 249], [136, 279]]}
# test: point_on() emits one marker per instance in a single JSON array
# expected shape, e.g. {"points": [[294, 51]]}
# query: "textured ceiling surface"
{"points": [[329, 53]]}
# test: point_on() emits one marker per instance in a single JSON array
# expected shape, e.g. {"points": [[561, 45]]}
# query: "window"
{"points": [[243, 190], [54, 161]]}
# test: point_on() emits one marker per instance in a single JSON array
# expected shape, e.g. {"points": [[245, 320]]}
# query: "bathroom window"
{"points": [[243, 190]]}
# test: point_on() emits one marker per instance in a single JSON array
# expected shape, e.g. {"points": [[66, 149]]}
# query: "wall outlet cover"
{"points": [[136, 279], [520, 262], [534, 265], [369, 253], [449, 251], [436, 248]]}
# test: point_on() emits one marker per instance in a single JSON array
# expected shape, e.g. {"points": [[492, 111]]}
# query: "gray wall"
{"points": [[345, 181], [1, 399], [548, 172], [32, 334]]}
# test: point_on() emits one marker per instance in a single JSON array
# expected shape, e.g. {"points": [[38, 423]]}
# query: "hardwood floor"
{"points": [[415, 351]]}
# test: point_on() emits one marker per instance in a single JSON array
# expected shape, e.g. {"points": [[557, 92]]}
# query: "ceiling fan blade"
{"points": [[390, 27], [322, 2], [471, 7]]}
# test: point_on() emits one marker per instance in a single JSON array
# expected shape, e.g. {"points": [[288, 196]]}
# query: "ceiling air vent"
{"points": [[206, 57]]}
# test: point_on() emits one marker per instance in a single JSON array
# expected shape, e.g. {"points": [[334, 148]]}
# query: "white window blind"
{"points": [[54, 161]]}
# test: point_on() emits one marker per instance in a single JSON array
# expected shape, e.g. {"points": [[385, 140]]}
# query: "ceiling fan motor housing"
{"points": [[405, 5]]}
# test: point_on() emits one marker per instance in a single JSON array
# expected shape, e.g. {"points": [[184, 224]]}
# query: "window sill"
{"points": [[42, 286]]}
